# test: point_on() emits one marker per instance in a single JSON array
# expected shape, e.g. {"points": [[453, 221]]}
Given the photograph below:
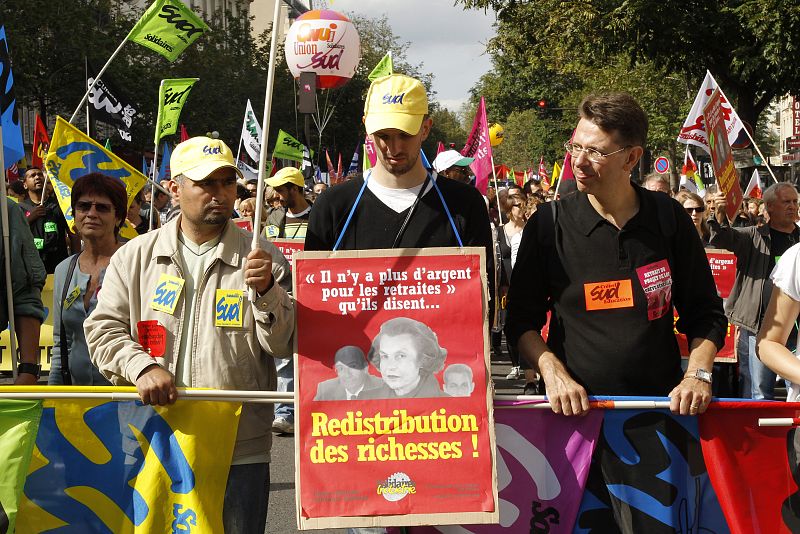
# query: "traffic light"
{"points": [[541, 106]]}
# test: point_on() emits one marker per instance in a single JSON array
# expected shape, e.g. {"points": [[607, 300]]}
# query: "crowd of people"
{"points": [[600, 265]]}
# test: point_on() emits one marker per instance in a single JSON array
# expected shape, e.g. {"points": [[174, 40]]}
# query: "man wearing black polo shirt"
{"points": [[610, 261], [399, 206]]}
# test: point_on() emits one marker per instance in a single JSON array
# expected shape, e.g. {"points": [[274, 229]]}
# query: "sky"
{"points": [[448, 41]]}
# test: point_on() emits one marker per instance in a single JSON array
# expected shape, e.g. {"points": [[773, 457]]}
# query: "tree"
{"points": [[749, 45]]}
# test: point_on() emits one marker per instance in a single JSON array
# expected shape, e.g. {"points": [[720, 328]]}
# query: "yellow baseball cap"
{"points": [[198, 157], [395, 101], [287, 175]]}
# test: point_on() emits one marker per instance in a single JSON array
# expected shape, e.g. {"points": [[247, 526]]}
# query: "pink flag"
{"points": [[479, 147], [542, 170], [540, 475], [440, 148], [371, 153], [339, 168]]}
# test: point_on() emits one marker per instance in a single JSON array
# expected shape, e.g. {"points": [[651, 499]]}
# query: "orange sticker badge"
{"points": [[608, 295]]}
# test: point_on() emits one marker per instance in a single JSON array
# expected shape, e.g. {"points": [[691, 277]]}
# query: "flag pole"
{"points": [[747, 132], [12, 332], [496, 191], [97, 78], [155, 154], [153, 185], [86, 70], [262, 160]]}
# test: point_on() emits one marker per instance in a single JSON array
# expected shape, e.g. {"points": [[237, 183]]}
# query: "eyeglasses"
{"points": [[593, 155], [699, 209], [84, 206]]}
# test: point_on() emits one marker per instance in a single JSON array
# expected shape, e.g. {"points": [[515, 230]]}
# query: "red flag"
{"points": [[12, 173], [41, 143], [479, 147], [331, 171], [542, 170], [440, 148], [184, 133], [755, 471], [273, 167]]}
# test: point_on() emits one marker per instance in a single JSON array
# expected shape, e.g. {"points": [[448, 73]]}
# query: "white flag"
{"points": [[693, 131], [754, 188], [250, 174], [251, 133]]}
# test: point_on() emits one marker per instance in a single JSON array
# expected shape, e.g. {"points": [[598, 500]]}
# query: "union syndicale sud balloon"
{"points": [[324, 42]]}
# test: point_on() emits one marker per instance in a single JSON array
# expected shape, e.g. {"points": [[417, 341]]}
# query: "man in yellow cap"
{"points": [[174, 312], [291, 219], [396, 201]]}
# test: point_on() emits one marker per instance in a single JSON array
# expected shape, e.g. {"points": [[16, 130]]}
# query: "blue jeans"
{"points": [[246, 499], [285, 368], [757, 381]]}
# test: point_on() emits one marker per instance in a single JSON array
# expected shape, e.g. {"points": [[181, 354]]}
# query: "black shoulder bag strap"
{"points": [[65, 374], [411, 211]]}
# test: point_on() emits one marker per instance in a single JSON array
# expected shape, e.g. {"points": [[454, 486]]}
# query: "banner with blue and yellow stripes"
{"points": [[124, 467]]}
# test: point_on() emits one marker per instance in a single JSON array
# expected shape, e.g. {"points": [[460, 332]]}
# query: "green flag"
{"points": [[108, 145], [168, 27], [19, 423], [172, 96], [287, 147], [385, 67]]}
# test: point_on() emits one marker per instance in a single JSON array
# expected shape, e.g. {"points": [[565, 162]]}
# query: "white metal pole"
{"points": [[262, 163], [99, 74], [7, 263], [496, 192]]}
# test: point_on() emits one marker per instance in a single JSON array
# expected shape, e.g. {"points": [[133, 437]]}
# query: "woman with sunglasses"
{"points": [[696, 209], [99, 205]]}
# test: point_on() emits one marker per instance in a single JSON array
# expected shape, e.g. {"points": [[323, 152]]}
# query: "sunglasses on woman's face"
{"points": [[101, 207], [699, 209]]}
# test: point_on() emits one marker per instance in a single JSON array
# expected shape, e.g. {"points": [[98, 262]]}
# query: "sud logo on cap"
{"points": [[393, 99]]}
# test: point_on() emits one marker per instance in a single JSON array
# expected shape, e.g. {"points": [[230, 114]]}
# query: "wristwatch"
{"points": [[700, 374], [29, 368]]}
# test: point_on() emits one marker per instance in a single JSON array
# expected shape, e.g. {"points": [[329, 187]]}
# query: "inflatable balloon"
{"points": [[495, 134], [324, 42]]}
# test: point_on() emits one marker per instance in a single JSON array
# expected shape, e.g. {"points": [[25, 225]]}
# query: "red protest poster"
{"points": [[393, 419], [721, 156], [723, 268], [289, 246]]}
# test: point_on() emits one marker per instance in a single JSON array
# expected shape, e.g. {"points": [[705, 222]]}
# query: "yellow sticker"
{"points": [[228, 308], [272, 231], [168, 290], [72, 297]]}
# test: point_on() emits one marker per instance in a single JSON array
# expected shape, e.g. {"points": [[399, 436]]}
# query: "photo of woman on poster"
{"points": [[407, 354]]}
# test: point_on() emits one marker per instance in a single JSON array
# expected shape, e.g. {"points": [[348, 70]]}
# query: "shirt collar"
{"points": [[586, 218]]}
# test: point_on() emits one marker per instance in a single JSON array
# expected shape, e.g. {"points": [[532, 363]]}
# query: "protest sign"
{"points": [[289, 246], [393, 413], [721, 156]]}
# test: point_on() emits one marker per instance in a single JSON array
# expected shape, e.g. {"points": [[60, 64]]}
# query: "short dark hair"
{"points": [[17, 187], [617, 113], [102, 184]]}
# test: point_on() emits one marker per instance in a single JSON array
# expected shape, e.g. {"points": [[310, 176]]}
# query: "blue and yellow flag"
{"points": [[123, 467], [73, 154]]}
